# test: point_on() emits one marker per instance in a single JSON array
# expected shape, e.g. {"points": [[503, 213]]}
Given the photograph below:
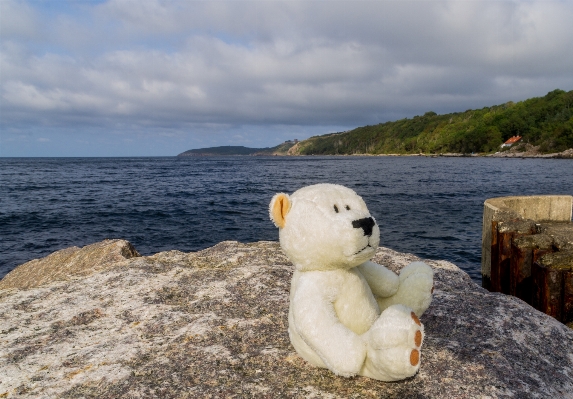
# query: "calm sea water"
{"points": [[431, 207]]}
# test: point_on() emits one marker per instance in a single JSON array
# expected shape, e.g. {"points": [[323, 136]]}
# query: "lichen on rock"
{"points": [[213, 323]]}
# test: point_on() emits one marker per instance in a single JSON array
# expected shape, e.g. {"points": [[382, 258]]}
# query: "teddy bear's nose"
{"points": [[365, 224]]}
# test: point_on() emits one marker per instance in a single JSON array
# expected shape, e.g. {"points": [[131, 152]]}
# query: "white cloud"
{"points": [[216, 66], [17, 20]]}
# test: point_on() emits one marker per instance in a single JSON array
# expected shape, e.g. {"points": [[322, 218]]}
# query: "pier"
{"points": [[527, 251]]}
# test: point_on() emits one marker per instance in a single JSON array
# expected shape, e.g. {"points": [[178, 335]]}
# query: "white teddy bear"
{"points": [[347, 313]]}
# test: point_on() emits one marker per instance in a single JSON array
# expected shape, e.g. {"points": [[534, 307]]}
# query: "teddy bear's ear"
{"points": [[278, 209]]}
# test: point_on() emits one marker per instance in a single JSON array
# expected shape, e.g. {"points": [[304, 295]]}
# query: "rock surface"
{"points": [[214, 324], [525, 150], [69, 262]]}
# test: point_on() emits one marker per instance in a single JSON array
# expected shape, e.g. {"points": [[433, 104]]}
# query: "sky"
{"points": [[156, 78]]}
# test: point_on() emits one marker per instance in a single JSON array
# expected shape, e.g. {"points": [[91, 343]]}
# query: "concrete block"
{"points": [[539, 208]]}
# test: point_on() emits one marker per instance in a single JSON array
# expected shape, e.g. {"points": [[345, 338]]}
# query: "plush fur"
{"points": [[348, 314]]}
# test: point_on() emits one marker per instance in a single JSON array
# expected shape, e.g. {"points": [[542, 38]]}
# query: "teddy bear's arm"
{"points": [[382, 282], [415, 290], [315, 319]]}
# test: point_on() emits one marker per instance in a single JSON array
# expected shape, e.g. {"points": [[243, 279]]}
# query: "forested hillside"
{"points": [[227, 150], [546, 122]]}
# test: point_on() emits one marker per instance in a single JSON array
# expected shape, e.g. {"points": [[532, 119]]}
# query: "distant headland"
{"points": [[230, 150], [544, 126]]}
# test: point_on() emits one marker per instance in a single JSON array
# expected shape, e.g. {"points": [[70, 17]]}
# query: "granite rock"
{"points": [[213, 324], [69, 263]]}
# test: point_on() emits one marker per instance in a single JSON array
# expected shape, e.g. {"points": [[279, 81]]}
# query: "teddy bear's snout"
{"points": [[365, 224]]}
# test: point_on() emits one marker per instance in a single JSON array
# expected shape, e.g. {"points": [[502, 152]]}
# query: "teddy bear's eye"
{"points": [[347, 208], [335, 209]]}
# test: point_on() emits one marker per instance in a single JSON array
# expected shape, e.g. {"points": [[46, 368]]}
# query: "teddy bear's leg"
{"points": [[393, 345], [415, 290]]}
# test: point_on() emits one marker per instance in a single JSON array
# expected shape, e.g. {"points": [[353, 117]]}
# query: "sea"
{"points": [[431, 207]]}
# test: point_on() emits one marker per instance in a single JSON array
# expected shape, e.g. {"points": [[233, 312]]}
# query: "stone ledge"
{"points": [[69, 263], [214, 324]]}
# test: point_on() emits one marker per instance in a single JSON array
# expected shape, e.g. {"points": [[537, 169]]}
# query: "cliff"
{"points": [[214, 324]]}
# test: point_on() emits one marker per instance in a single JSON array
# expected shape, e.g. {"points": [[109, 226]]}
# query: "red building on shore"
{"points": [[511, 141]]}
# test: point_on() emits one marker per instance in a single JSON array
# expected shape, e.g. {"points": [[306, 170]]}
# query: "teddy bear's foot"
{"points": [[415, 290], [393, 345]]}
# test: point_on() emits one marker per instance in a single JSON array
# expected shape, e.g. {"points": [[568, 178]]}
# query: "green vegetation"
{"points": [[223, 150], [281, 149], [546, 122], [228, 150]]}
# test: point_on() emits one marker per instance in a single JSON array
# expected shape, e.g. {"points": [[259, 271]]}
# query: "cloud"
{"points": [[17, 20], [209, 67]]}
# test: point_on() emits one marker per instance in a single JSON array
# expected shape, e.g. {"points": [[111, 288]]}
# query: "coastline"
{"points": [[567, 154], [512, 153]]}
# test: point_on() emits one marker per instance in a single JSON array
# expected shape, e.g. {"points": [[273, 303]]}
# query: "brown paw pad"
{"points": [[418, 338], [415, 318], [414, 357]]}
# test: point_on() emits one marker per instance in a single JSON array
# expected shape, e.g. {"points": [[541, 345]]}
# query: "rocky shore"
{"points": [[104, 322], [517, 152], [529, 151]]}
